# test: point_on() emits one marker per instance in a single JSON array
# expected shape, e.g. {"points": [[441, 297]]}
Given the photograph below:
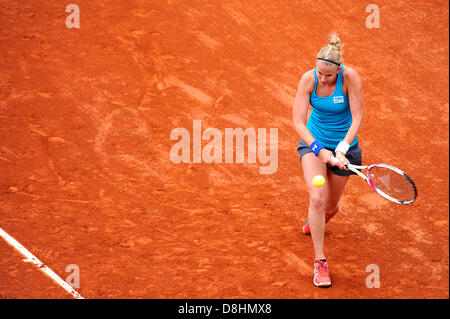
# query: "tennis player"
{"points": [[336, 98]]}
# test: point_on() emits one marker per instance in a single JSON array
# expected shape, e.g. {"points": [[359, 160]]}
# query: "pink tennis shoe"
{"points": [[306, 229], [321, 274]]}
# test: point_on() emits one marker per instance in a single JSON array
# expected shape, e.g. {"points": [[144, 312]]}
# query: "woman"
{"points": [[336, 98]]}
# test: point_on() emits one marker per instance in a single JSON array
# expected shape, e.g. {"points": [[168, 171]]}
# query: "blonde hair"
{"points": [[332, 52]]}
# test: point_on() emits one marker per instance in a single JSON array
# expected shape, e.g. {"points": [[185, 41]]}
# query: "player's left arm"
{"points": [[356, 100]]}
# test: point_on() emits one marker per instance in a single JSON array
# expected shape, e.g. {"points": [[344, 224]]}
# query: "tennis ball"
{"points": [[318, 180]]}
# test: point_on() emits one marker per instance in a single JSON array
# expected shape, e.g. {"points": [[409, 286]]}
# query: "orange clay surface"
{"points": [[85, 170]]}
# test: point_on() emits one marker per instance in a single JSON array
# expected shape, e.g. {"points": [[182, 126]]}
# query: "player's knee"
{"points": [[332, 211], [317, 201]]}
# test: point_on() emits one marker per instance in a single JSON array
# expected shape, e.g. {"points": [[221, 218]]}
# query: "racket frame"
{"points": [[356, 169]]}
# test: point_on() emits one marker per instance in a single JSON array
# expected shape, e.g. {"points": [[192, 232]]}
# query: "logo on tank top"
{"points": [[338, 99]]}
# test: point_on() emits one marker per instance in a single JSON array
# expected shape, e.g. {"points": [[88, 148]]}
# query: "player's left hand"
{"points": [[341, 157]]}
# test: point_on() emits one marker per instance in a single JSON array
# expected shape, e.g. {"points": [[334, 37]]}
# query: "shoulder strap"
{"points": [[339, 87], [315, 81]]}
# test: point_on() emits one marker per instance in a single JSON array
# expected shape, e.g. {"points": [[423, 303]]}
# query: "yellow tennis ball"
{"points": [[318, 180]]}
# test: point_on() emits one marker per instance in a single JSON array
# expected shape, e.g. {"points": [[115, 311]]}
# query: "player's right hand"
{"points": [[327, 157]]}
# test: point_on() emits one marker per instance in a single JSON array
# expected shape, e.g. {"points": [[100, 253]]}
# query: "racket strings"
{"points": [[396, 185]]}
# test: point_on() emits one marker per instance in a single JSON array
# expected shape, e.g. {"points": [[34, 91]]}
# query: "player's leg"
{"points": [[312, 166], [337, 179], [336, 185]]}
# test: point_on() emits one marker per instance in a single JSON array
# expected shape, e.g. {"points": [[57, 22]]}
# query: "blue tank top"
{"points": [[330, 117]]}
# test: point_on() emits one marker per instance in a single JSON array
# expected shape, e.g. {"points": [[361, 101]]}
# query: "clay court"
{"points": [[86, 116]]}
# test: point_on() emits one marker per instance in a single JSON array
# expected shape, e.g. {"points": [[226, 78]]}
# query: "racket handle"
{"points": [[335, 160]]}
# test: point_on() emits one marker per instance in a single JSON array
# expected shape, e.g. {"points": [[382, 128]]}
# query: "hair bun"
{"points": [[335, 42], [332, 51]]}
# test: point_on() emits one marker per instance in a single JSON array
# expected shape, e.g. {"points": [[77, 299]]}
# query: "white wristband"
{"points": [[343, 147]]}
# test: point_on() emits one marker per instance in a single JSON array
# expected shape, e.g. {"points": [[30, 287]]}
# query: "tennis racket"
{"points": [[388, 181]]}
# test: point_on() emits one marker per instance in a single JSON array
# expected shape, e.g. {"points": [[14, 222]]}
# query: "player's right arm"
{"points": [[300, 107], [300, 113]]}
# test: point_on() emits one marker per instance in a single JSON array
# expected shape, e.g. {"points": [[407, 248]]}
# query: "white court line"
{"points": [[31, 258]]}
